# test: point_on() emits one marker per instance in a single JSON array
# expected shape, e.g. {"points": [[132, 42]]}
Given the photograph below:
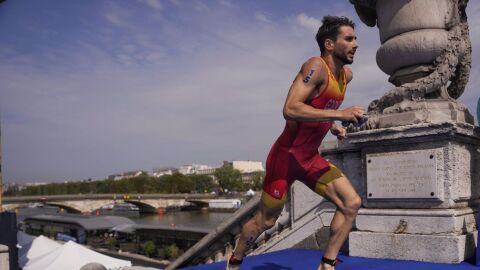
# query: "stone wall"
{"points": [[420, 188]]}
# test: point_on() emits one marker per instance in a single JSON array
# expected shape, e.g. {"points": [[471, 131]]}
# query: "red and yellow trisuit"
{"points": [[294, 156]]}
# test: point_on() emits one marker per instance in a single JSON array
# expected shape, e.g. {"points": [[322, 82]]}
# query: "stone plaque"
{"points": [[400, 175]]}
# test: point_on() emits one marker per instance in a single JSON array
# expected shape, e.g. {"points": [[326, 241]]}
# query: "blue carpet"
{"points": [[301, 259]]}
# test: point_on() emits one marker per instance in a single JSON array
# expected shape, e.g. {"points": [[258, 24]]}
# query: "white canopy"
{"points": [[23, 238], [73, 256], [38, 247]]}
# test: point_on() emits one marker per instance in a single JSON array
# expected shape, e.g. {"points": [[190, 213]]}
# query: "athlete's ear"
{"points": [[328, 44]]}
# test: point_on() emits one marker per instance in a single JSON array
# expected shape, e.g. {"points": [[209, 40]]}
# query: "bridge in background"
{"points": [[87, 203]]}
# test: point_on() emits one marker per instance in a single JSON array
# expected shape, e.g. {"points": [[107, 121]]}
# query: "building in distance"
{"points": [[191, 169], [245, 166], [161, 171], [127, 175], [196, 169]]}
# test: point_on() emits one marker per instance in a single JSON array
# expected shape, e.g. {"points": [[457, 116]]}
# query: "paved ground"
{"points": [[300, 259]]}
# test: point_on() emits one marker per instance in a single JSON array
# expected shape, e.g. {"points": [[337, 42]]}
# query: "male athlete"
{"points": [[310, 110]]}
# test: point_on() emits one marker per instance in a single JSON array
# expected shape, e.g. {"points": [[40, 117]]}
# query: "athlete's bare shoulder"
{"points": [[316, 61], [314, 68], [348, 73]]}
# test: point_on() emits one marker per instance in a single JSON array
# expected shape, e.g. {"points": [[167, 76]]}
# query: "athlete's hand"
{"points": [[340, 132], [352, 114]]}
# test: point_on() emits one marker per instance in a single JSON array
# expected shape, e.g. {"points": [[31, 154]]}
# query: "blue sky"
{"points": [[92, 88]]}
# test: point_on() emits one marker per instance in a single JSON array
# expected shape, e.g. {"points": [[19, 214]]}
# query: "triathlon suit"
{"points": [[295, 153]]}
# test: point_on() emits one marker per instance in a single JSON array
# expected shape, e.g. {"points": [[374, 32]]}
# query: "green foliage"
{"points": [[112, 242], [229, 178], [176, 183], [203, 183], [12, 191], [149, 248], [50, 231], [171, 251], [257, 181]]}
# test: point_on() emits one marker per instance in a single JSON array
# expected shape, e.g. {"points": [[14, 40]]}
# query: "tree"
{"points": [[202, 183], [149, 248], [257, 181], [171, 251], [229, 178], [176, 183], [112, 243]]}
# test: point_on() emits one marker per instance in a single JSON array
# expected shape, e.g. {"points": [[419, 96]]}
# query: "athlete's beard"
{"points": [[343, 57]]}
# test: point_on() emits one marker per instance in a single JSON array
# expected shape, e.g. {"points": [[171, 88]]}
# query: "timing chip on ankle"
{"points": [[330, 261]]}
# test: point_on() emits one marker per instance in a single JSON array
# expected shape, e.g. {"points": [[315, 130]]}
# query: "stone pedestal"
{"points": [[420, 186], [427, 111], [441, 236]]}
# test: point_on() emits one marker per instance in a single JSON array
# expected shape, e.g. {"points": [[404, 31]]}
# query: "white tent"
{"points": [[37, 247], [73, 256], [24, 239]]}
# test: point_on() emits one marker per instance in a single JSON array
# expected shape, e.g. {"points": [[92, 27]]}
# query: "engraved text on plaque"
{"points": [[398, 175]]}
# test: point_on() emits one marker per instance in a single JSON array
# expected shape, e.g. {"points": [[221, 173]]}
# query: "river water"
{"points": [[190, 219]]}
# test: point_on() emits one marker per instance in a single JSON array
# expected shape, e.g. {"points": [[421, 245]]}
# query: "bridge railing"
{"points": [[215, 245]]}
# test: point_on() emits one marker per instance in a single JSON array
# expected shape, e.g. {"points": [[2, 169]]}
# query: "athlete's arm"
{"points": [[311, 76]]}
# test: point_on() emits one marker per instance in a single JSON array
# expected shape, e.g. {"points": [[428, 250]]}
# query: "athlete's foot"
{"points": [[324, 266], [233, 263], [233, 267], [328, 264]]}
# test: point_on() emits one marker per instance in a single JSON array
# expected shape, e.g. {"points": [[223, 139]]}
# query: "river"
{"points": [[191, 219]]}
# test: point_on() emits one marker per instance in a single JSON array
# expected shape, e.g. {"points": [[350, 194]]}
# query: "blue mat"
{"points": [[301, 259]]}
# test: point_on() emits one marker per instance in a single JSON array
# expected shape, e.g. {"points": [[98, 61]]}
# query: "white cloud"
{"points": [[201, 6], [149, 112], [130, 48], [261, 16], [153, 56], [310, 23], [114, 19], [153, 4], [117, 15], [225, 3], [175, 2]]}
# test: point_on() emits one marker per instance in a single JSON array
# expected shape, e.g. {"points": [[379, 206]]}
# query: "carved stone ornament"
{"points": [[426, 50]]}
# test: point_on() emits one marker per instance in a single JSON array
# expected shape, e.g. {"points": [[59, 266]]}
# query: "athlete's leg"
{"points": [[341, 192], [264, 219]]}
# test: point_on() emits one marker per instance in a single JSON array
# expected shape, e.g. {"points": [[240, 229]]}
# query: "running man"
{"points": [[310, 110]]}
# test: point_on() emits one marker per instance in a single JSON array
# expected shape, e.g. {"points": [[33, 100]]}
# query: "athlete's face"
{"points": [[346, 45]]}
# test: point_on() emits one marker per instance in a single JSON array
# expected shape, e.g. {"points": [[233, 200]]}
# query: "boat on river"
{"points": [[120, 207]]}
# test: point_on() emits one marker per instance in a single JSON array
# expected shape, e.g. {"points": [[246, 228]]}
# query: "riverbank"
{"points": [[168, 232]]}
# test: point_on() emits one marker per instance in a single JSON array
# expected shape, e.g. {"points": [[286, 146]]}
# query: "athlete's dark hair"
{"points": [[329, 29]]}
